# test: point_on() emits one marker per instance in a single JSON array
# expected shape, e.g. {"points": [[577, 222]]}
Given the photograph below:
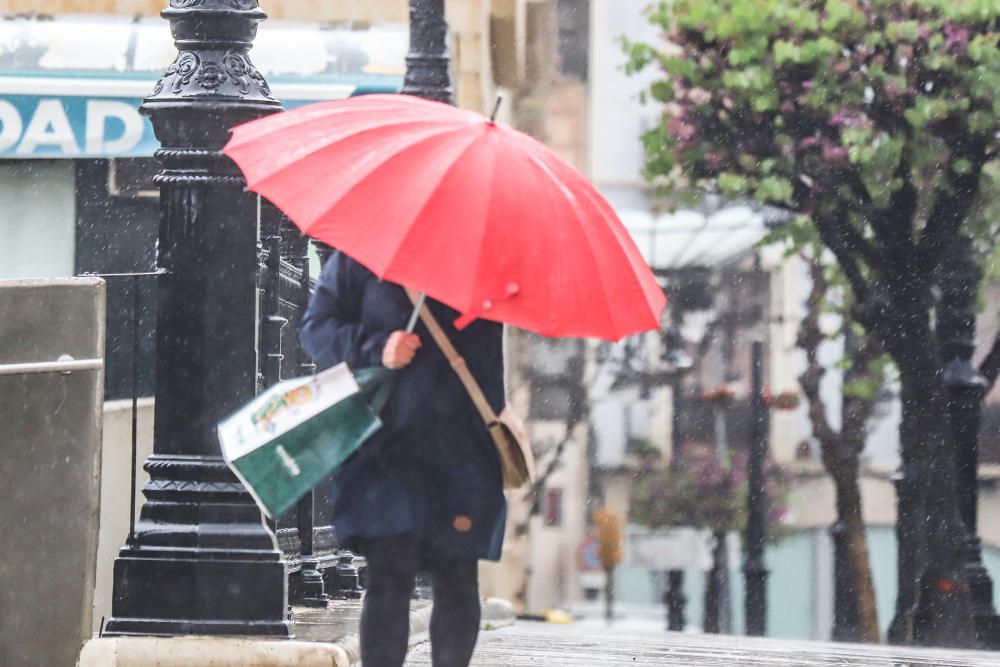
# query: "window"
{"points": [[553, 507]]}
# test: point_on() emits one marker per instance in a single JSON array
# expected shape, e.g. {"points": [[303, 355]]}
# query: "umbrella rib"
{"points": [[570, 198], [333, 109], [388, 158], [483, 230], [424, 206], [297, 162], [594, 201], [381, 272]]}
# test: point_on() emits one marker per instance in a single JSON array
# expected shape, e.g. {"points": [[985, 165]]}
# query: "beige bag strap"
{"points": [[456, 361]]}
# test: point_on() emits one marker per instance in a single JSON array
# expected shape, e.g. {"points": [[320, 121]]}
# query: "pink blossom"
{"points": [[841, 118], [808, 142], [680, 129], [849, 118], [956, 38], [833, 152]]}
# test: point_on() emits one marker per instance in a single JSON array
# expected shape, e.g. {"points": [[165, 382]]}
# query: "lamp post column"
{"points": [[754, 568], [202, 561], [673, 596], [428, 64], [966, 387]]}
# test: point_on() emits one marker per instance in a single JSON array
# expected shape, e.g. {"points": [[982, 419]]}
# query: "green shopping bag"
{"points": [[293, 435]]}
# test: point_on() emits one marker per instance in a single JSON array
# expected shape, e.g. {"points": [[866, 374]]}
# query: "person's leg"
{"points": [[385, 616], [456, 614]]}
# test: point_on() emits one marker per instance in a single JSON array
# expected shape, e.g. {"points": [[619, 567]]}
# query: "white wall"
{"points": [[116, 478], [37, 218], [616, 119]]}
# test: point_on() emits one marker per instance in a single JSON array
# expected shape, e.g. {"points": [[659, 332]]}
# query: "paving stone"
{"points": [[584, 646]]}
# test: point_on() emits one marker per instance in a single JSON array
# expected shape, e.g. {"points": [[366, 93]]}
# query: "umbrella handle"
{"points": [[412, 324]]}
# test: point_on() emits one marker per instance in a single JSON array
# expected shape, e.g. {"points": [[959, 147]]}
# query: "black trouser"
{"points": [[393, 563]]}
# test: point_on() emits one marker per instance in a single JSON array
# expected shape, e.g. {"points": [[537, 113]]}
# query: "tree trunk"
{"points": [[840, 451], [855, 537], [856, 411]]}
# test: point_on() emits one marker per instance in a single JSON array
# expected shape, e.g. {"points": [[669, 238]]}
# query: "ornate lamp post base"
{"points": [[203, 562], [675, 601]]}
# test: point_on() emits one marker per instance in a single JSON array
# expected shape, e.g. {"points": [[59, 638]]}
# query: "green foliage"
{"points": [[643, 448], [868, 386], [826, 107]]}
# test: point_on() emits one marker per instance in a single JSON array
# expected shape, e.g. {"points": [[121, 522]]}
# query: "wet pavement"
{"points": [[335, 623], [327, 624], [585, 646]]}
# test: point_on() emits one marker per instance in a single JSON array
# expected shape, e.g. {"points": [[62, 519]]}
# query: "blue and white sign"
{"points": [[55, 117], [43, 118], [71, 86]]}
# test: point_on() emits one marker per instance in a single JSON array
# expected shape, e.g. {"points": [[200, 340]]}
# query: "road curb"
{"points": [[247, 652], [420, 622], [209, 652], [496, 613]]}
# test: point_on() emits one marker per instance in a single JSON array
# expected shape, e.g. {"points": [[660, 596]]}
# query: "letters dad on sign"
{"points": [[68, 117], [58, 117]]}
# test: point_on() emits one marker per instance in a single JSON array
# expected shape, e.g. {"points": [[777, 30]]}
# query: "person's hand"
{"points": [[400, 349]]}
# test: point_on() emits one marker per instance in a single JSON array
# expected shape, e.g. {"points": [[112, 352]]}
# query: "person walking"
{"points": [[425, 493]]}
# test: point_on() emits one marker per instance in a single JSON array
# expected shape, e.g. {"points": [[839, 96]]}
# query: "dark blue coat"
{"points": [[432, 470]]}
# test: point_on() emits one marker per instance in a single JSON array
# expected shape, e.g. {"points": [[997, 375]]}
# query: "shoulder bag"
{"points": [[506, 429]]}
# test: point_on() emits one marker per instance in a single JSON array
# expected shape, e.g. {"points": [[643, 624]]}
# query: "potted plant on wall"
{"points": [[701, 493], [721, 397], [785, 401]]}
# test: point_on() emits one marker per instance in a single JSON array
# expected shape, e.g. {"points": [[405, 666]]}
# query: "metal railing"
{"points": [[305, 534], [64, 365], [134, 385]]}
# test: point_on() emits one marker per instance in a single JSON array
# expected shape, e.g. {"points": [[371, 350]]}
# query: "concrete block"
{"points": [[49, 470], [209, 652]]}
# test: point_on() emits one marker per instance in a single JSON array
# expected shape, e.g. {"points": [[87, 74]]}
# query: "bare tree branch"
{"points": [[990, 368], [840, 450], [534, 492], [863, 350], [896, 227], [952, 205], [810, 337], [830, 230]]}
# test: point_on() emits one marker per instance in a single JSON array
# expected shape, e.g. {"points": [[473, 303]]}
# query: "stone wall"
{"points": [[116, 480]]}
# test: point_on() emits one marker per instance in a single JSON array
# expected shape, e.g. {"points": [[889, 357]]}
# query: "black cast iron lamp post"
{"points": [[966, 389], [202, 561], [428, 62], [754, 568]]}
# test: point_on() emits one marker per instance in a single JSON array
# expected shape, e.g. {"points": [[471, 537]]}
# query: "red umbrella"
{"points": [[474, 214]]}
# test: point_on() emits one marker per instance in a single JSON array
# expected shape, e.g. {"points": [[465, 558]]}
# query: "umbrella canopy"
{"points": [[475, 214]]}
